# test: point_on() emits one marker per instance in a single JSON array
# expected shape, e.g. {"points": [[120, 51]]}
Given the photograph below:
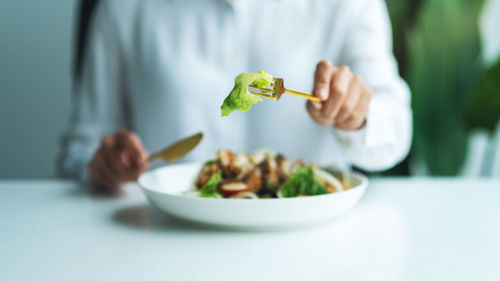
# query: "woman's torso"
{"points": [[180, 58]]}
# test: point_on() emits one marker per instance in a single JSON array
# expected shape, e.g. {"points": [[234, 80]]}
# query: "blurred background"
{"points": [[448, 52], [35, 50]]}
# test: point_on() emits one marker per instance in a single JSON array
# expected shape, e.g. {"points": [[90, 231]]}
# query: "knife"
{"points": [[178, 149]]}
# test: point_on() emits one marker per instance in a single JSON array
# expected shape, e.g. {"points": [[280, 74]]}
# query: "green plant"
{"points": [[403, 16], [483, 105], [444, 63], [436, 43]]}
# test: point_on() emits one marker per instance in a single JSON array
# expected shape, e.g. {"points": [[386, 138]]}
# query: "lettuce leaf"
{"points": [[209, 189], [209, 162], [303, 182], [240, 98]]}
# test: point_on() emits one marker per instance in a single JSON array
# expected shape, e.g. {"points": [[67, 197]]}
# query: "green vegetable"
{"points": [[209, 162], [303, 182], [240, 98], [209, 189]]}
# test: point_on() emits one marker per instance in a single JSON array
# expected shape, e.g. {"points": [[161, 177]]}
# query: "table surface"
{"points": [[402, 229]]}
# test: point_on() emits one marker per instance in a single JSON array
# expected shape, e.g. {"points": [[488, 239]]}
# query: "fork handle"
{"points": [[302, 95]]}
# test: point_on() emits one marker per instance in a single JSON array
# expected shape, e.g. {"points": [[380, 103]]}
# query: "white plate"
{"points": [[164, 187]]}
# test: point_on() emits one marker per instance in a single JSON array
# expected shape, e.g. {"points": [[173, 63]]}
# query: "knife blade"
{"points": [[178, 149]]}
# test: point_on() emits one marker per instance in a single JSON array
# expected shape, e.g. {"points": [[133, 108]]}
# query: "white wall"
{"points": [[35, 42]]}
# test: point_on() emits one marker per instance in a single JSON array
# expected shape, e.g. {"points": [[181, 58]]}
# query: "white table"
{"points": [[403, 229]]}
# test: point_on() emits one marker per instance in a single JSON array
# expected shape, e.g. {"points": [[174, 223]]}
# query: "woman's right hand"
{"points": [[121, 158]]}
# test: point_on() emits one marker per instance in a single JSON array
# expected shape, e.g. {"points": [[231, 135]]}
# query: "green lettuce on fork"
{"points": [[240, 98]]}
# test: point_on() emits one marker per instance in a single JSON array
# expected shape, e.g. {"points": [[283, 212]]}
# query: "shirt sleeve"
{"points": [[385, 139], [98, 101]]}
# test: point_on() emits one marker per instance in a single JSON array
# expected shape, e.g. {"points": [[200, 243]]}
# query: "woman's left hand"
{"points": [[345, 97]]}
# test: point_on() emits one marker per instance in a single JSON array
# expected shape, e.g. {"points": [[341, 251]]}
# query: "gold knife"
{"points": [[178, 149]]}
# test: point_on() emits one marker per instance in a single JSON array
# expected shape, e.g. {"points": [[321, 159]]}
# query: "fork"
{"points": [[277, 89]]}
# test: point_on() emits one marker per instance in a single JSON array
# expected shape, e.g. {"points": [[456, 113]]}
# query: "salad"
{"points": [[262, 175]]}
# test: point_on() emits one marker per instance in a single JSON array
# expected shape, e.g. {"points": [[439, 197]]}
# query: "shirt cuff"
{"points": [[351, 137]]}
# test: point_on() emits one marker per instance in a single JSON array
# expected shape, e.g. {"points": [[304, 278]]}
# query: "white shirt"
{"points": [[162, 69]]}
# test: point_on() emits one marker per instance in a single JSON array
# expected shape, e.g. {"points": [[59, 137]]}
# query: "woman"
{"points": [[161, 69]]}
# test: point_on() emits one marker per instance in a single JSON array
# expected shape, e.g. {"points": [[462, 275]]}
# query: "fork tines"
{"points": [[266, 91]]}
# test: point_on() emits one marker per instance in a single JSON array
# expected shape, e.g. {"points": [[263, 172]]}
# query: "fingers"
{"points": [[357, 118], [113, 162], [352, 123], [346, 101], [119, 159], [322, 81], [322, 78], [316, 114], [350, 104], [107, 158], [339, 88], [100, 175], [133, 153]]}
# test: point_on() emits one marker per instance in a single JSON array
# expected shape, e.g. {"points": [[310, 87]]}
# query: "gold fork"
{"points": [[276, 89]]}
